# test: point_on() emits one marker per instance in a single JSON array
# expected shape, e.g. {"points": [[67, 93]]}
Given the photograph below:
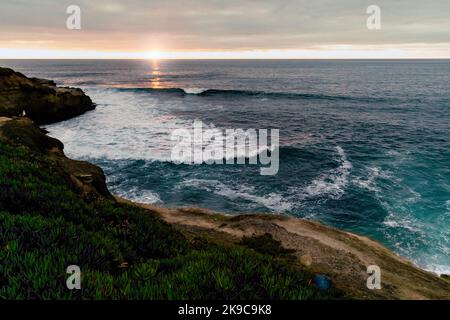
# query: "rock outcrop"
{"points": [[42, 101], [86, 179]]}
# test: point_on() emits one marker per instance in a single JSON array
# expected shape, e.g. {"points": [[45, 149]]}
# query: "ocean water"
{"points": [[364, 145]]}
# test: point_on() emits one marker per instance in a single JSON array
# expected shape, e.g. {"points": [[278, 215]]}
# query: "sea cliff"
{"points": [[39, 99]]}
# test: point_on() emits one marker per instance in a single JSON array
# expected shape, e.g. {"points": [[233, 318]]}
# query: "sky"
{"points": [[158, 29]]}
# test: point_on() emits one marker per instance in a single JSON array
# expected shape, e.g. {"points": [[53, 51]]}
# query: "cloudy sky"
{"points": [[225, 29]]}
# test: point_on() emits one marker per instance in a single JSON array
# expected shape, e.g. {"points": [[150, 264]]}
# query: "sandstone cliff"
{"points": [[41, 99]]}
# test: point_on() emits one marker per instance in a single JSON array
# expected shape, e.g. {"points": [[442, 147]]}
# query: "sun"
{"points": [[154, 55]]}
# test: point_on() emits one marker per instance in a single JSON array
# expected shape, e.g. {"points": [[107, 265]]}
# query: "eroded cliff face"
{"points": [[86, 179], [42, 101]]}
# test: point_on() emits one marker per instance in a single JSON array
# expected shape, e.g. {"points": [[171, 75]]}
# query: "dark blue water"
{"points": [[364, 145]]}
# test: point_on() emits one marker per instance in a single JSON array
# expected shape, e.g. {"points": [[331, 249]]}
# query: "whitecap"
{"points": [[194, 90], [437, 268]]}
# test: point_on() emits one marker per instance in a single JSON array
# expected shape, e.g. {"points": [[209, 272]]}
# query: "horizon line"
{"points": [[335, 52], [172, 59]]}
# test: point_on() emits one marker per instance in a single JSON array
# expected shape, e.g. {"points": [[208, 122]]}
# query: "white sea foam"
{"points": [[369, 181], [125, 125], [332, 183], [396, 221], [409, 233], [140, 195], [273, 201], [129, 125], [194, 90]]}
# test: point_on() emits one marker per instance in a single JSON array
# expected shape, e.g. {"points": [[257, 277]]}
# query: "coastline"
{"points": [[318, 249]]}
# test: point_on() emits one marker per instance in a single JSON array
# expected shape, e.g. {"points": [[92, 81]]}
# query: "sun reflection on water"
{"points": [[155, 81]]}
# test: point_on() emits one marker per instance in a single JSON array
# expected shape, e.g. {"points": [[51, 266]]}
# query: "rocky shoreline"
{"points": [[315, 248]]}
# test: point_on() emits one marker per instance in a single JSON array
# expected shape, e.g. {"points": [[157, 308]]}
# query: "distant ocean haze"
{"points": [[364, 144]]}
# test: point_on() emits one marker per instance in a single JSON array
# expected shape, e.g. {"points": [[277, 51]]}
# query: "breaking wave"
{"points": [[202, 92]]}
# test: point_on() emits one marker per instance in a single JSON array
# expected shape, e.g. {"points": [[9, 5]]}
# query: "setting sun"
{"points": [[154, 55]]}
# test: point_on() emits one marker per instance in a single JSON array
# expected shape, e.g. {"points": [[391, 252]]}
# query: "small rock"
{"points": [[306, 260]]}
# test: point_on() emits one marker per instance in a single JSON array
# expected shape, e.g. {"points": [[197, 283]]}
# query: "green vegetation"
{"points": [[266, 244], [124, 252]]}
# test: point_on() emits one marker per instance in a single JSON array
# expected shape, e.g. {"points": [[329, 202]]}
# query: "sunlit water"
{"points": [[364, 144]]}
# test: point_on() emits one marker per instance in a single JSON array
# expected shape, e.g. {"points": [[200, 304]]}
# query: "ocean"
{"points": [[364, 144]]}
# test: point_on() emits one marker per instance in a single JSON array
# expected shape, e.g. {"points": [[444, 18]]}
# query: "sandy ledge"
{"points": [[343, 256]]}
